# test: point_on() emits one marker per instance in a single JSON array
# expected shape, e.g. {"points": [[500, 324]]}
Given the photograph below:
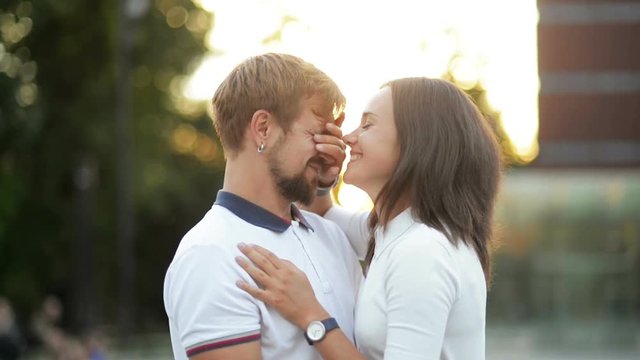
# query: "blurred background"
{"points": [[108, 155]]}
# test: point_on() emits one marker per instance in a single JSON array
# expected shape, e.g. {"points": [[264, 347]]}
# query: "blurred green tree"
{"points": [[58, 81]]}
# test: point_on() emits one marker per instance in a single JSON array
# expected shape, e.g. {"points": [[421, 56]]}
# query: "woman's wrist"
{"points": [[322, 189], [317, 314]]}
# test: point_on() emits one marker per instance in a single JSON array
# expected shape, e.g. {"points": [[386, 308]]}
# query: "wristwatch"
{"points": [[317, 330]]}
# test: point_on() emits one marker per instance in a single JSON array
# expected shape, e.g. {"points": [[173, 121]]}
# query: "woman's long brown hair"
{"points": [[449, 166]]}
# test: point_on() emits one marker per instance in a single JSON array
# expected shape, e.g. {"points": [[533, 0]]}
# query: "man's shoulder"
{"points": [[332, 236], [215, 230], [209, 247]]}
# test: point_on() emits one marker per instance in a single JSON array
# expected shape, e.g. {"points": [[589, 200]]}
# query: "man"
{"points": [[266, 113]]}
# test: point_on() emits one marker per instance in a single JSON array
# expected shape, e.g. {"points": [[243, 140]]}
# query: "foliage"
{"points": [[57, 97]]}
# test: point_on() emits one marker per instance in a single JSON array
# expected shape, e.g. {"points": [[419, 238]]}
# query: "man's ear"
{"points": [[339, 120], [260, 126]]}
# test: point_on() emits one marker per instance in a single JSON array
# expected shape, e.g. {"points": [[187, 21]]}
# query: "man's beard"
{"points": [[295, 188]]}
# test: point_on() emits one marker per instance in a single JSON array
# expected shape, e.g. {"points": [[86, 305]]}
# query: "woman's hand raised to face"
{"points": [[332, 150], [283, 286]]}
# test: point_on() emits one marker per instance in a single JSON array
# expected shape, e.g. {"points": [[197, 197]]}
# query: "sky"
{"points": [[362, 44]]}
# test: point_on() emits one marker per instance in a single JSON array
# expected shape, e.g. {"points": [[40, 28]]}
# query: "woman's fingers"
{"points": [[334, 129], [288, 290], [330, 140], [331, 154], [271, 257], [265, 263], [262, 265], [332, 173], [332, 150], [260, 277], [253, 291]]}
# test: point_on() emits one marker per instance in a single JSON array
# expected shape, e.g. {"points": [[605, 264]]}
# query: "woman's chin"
{"points": [[351, 179], [347, 177]]}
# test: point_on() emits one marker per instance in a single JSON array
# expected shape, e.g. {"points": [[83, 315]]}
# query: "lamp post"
{"points": [[129, 11]]}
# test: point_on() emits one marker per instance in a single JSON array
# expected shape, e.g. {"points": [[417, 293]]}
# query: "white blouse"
{"points": [[423, 298]]}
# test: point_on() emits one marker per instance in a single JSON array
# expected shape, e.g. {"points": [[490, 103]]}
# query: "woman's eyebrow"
{"points": [[367, 114]]}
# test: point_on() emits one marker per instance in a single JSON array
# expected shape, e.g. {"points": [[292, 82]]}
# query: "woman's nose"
{"points": [[350, 138]]}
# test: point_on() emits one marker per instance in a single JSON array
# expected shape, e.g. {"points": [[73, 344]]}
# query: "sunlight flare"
{"points": [[361, 45]]}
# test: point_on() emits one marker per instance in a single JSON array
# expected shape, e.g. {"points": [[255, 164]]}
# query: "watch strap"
{"points": [[330, 324]]}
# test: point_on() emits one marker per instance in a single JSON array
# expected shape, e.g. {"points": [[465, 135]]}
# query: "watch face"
{"points": [[315, 331]]}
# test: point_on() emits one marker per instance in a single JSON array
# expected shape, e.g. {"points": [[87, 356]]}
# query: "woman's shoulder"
{"points": [[423, 237], [424, 252], [427, 248], [421, 248]]}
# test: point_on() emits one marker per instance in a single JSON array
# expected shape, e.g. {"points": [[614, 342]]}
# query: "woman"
{"points": [[431, 163]]}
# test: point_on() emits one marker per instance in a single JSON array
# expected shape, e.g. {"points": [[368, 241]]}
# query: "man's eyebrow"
{"points": [[321, 113], [321, 120], [319, 126]]}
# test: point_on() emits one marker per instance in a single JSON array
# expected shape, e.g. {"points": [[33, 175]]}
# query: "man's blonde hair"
{"points": [[273, 82]]}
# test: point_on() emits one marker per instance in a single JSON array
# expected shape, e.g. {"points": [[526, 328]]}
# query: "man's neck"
{"points": [[252, 181]]}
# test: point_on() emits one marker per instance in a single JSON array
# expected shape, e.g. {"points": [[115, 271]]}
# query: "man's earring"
{"points": [[261, 148]]}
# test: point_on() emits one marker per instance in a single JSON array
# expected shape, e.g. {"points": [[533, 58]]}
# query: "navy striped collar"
{"points": [[256, 215]]}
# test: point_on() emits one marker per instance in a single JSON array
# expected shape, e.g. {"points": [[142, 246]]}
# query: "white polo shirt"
{"points": [[206, 309], [423, 297]]}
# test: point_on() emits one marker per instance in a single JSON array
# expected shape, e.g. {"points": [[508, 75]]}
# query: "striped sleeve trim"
{"points": [[223, 342]]}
